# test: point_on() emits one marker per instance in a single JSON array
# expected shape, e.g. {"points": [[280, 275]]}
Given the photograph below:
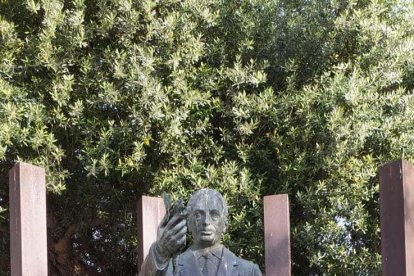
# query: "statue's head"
{"points": [[207, 219]]}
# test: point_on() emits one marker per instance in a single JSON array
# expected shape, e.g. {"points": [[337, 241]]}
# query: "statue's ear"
{"points": [[226, 223], [190, 223]]}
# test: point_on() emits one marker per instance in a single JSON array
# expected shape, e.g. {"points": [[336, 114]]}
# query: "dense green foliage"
{"points": [[118, 98]]}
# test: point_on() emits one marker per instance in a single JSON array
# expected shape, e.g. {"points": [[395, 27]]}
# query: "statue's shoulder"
{"points": [[185, 263], [245, 267], [185, 259], [188, 253]]}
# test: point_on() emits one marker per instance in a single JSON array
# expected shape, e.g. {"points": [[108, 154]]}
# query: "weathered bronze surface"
{"points": [[206, 218]]}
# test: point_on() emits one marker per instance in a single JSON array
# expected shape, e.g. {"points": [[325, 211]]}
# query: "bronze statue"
{"points": [[206, 216]]}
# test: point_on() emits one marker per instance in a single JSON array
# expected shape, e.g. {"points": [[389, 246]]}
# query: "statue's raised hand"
{"points": [[171, 237]]}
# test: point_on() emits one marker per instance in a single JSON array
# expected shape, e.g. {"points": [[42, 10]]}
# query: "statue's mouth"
{"points": [[206, 233]]}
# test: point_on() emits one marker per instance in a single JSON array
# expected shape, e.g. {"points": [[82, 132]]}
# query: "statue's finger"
{"points": [[178, 227], [182, 240], [174, 220], [180, 233], [164, 221], [169, 235]]}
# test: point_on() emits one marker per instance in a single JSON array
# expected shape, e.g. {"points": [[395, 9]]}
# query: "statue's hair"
{"points": [[209, 193]]}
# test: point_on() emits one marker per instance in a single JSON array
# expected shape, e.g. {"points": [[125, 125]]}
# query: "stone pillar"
{"points": [[397, 218], [151, 210], [277, 235], [28, 237]]}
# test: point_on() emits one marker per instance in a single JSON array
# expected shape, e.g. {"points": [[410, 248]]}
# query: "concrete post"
{"points": [[397, 218], [151, 210], [28, 237], [277, 235]]}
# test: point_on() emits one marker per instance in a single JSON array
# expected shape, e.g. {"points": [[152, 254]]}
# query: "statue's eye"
{"points": [[215, 215], [197, 214]]}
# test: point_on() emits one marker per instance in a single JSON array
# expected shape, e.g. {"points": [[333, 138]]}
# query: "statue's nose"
{"points": [[207, 219]]}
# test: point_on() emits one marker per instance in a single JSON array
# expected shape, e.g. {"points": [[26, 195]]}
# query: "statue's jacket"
{"points": [[185, 265]]}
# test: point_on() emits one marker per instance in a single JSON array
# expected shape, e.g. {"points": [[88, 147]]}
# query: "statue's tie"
{"points": [[208, 268]]}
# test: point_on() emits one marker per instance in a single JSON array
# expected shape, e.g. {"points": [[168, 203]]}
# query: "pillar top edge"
{"points": [[396, 162], [25, 164]]}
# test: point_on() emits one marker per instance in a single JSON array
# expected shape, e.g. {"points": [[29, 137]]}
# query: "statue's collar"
{"points": [[187, 263], [216, 250]]}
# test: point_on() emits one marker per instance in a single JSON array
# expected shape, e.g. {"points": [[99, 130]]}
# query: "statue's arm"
{"points": [[171, 237], [256, 270], [155, 264]]}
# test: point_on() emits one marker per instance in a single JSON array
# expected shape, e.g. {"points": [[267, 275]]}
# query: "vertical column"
{"points": [[28, 237], [397, 218], [151, 210], [277, 235]]}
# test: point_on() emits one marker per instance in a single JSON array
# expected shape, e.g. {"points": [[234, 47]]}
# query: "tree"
{"points": [[119, 98]]}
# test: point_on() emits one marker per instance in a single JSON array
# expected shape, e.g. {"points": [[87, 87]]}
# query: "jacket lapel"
{"points": [[228, 265], [187, 265]]}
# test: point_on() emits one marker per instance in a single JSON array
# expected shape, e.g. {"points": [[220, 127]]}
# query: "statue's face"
{"points": [[207, 222]]}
